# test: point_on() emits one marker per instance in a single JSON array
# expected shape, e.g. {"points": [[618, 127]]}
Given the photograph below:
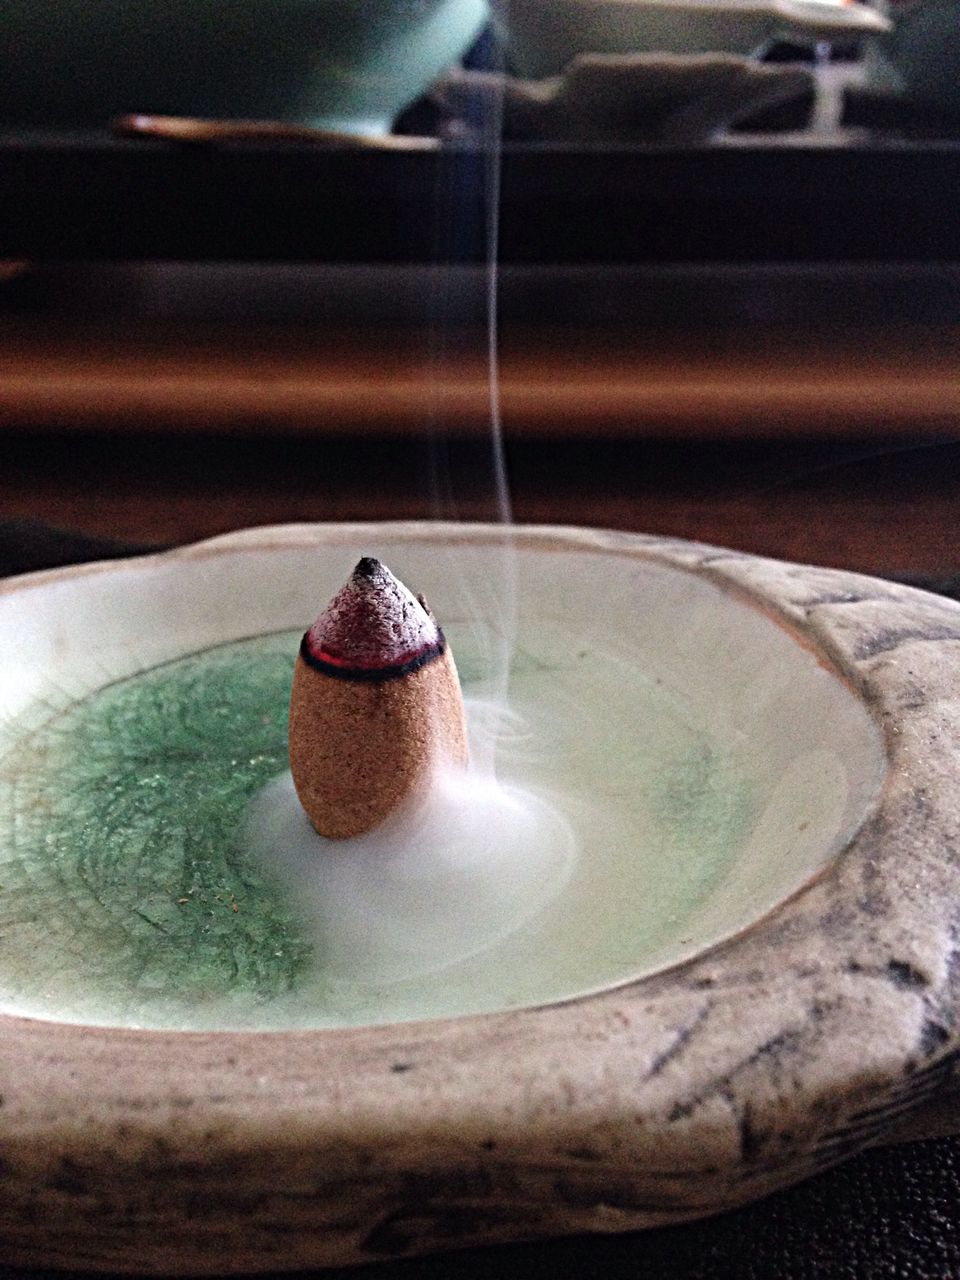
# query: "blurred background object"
{"points": [[919, 59], [542, 36], [347, 65], [656, 97]]}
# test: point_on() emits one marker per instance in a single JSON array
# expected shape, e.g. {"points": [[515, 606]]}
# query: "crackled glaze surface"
{"points": [[671, 781], [700, 1087]]}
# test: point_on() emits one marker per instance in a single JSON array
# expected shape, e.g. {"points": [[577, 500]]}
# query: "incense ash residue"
{"points": [[123, 864], [373, 622]]}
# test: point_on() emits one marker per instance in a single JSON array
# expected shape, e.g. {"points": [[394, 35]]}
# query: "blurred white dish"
{"points": [[647, 97], [542, 36]]}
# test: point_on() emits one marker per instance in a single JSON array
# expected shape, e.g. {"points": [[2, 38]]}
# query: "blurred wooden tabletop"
{"points": [[830, 446], [555, 381]]}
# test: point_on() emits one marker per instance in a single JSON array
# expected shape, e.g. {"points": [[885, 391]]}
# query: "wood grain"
{"points": [[882, 507], [831, 447], [741, 382]]}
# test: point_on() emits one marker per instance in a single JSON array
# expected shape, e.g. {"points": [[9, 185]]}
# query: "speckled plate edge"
{"points": [[772, 1056]]}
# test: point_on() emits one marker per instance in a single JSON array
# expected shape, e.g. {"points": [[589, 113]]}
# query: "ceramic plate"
{"points": [[736, 971]]}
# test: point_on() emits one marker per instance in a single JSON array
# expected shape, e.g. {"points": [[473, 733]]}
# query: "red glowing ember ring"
{"points": [[332, 665]]}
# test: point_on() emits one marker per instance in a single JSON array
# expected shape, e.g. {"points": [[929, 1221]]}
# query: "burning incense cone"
{"points": [[376, 705]]}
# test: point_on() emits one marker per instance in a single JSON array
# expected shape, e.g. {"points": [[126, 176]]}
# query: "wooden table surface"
{"points": [[557, 382], [830, 445], [877, 510]]}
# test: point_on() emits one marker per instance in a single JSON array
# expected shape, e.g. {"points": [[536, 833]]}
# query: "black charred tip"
{"points": [[368, 567]]}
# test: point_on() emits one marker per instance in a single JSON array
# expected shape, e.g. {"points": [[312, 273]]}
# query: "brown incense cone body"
{"points": [[376, 706], [358, 750]]}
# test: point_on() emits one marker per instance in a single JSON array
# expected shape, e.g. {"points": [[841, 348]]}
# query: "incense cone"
{"points": [[376, 705]]}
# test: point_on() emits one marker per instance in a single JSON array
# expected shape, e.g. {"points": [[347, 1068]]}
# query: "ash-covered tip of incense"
{"points": [[372, 629]]}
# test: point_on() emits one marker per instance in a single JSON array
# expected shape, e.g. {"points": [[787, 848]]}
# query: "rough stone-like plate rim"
{"points": [[700, 1088]]}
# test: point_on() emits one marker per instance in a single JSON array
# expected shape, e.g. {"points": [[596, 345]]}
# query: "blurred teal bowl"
{"points": [[350, 65]]}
